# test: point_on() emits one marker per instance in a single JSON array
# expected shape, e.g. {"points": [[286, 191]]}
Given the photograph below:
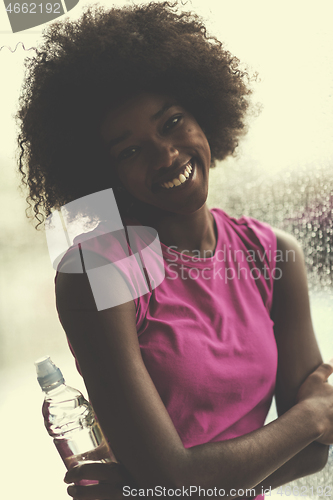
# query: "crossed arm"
{"points": [[138, 426]]}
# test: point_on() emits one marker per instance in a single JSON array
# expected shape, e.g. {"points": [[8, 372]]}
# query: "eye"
{"points": [[127, 153], [172, 122]]}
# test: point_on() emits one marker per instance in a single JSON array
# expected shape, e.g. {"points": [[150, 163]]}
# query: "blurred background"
{"points": [[282, 174]]}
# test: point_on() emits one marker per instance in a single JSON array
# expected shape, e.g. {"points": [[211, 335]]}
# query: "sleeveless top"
{"points": [[206, 335]]}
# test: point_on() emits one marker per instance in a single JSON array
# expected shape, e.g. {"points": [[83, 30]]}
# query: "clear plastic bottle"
{"points": [[70, 420]]}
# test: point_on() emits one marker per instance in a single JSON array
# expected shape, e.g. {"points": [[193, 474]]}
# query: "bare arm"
{"points": [[298, 353], [136, 422]]}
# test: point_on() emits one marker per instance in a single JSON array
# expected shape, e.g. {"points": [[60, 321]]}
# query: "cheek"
{"points": [[199, 138], [205, 144], [190, 136], [131, 178], [208, 150]]}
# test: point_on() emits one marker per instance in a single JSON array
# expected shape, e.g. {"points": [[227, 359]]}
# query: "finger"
{"points": [[110, 471], [95, 492], [324, 370]]}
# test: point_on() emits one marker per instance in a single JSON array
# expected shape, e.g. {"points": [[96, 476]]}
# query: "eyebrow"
{"points": [[161, 112], [121, 138], [155, 117]]}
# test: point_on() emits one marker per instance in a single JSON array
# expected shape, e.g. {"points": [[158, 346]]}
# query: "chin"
{"points": [[189, 206]]}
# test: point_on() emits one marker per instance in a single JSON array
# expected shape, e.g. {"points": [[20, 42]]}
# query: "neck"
{"points": [[190, 232]]}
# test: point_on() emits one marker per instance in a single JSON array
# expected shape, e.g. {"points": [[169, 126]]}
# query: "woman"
{"points": [[141, 100]]}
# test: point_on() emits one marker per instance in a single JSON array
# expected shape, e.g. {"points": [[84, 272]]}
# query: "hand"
{"points": [[317, 393], [111, 476]]}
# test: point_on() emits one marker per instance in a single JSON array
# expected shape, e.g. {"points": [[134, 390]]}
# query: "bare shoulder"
{"points": [[286, 241], [290, 260], [95, 332], [290, 296], [74, 289]]}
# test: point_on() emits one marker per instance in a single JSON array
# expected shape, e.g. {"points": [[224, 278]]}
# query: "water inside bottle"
{"points": [[85, 445], [76, 433]]}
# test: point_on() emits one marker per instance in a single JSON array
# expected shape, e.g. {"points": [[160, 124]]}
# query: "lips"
{"points": [[176, 178]]}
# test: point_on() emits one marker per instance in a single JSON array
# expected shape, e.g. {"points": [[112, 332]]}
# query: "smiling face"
{"points": [[161, 155]]}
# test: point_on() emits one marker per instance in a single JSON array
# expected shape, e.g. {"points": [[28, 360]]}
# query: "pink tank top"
{"points": [[206, 335]]}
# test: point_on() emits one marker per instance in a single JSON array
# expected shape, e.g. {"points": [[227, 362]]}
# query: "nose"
{"points": [[165, 153]]}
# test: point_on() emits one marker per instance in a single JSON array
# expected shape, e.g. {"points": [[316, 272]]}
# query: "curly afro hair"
{"points": [[85, 66]]}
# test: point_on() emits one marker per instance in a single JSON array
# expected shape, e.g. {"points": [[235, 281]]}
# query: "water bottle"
{"points": [[70, 420]]}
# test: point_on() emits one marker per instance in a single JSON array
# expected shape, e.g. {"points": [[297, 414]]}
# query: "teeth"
{"points": [[180, 179]]}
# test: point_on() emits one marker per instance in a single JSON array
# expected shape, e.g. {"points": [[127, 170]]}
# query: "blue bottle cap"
{"points": [[48, 374]]}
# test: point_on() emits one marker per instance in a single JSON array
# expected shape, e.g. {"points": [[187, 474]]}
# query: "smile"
{"points": [[181, 179]]}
